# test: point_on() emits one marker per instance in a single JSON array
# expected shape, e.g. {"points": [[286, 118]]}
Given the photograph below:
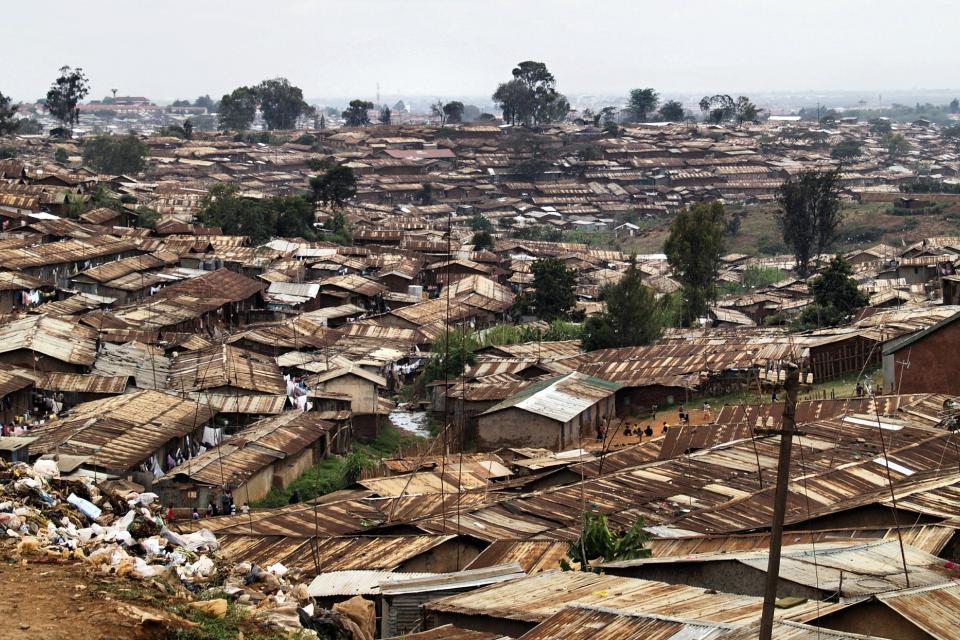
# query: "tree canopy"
{"points": [[334, 186], [237, 109], [746, 111], [70, 87], [355, 114], [7, 111], [453, 112], [718, 108], [693, 249], [672, 111], [531, 98], [259, 219], [641, 103], [836, 296], [809, 214], [281, 103], [633, 316], [554, 288], [482, 240], [847, 149], [115, 154], [897, 145]]}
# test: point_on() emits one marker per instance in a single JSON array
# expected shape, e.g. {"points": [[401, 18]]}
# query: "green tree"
{"points": [[281, 103], [61, 155], [809, 214], [172, 130], [633, 315], [385, 115], [954, 106], [597, 541], [672, 111], [425, 195], [847, 149], [356, 113], [334, 186], [453, 112], [206, 102], [951, 135], [554, 288], [531, 98], [836, 296], [478, 222], [746, 111], [180, 103], [147, 217], [641, 103], [881, 127], [482, 240], [453, 352], [693, 248], [897, 146], [718, 108], [294, 216], [8, 110], [115, 154], [66, 92], [237, 109], [224, 207], [337, 229]]}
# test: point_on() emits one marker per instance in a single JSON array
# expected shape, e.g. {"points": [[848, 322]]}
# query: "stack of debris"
{"points": [[124, 534]]}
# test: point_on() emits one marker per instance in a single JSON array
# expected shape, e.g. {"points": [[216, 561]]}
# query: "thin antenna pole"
{"points": [[791, 384]]}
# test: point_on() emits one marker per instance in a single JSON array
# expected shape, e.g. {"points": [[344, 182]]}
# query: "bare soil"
{"points": [[44, 599]]}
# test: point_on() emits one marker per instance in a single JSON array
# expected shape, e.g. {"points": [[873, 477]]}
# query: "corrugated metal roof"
{"points": [[935, 609], [83, 383], [147, 364], [788, 630], [533, 556], [356, 583], [53, 337], [848, 568], [582, 622], [561, 398], [244, 454], [226, 365], [458, 580], [121, 431], [450, 632], [535, 598]]}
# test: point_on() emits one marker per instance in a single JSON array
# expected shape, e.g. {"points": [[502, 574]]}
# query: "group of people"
{"points": [[225, 507]]}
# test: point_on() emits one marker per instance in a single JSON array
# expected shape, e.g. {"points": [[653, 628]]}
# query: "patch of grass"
{"points": [[864, 224], [336, 472]]}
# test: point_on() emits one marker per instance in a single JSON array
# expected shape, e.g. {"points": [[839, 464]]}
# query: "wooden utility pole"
{"points": [[791, 384]]}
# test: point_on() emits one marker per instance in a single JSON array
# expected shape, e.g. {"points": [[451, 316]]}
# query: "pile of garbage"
{"points": [[120, 534], [123, 533]]}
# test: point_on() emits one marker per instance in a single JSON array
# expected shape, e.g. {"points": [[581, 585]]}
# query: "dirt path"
{"points": [[44, 601]]}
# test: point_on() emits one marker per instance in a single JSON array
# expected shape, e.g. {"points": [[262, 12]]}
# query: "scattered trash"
{"points": [[217, 608], [122, 532]]}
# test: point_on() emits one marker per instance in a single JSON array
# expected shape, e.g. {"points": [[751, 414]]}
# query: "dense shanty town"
{"points": [[277, 370]]}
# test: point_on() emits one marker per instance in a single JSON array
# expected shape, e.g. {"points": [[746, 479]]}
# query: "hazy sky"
{"points": [[183, 48]]}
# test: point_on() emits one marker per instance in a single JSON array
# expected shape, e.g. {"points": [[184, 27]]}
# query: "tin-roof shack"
{"points": [[555, 413]]}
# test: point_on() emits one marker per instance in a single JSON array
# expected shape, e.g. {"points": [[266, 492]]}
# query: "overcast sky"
{"points": [[184, 48]]}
